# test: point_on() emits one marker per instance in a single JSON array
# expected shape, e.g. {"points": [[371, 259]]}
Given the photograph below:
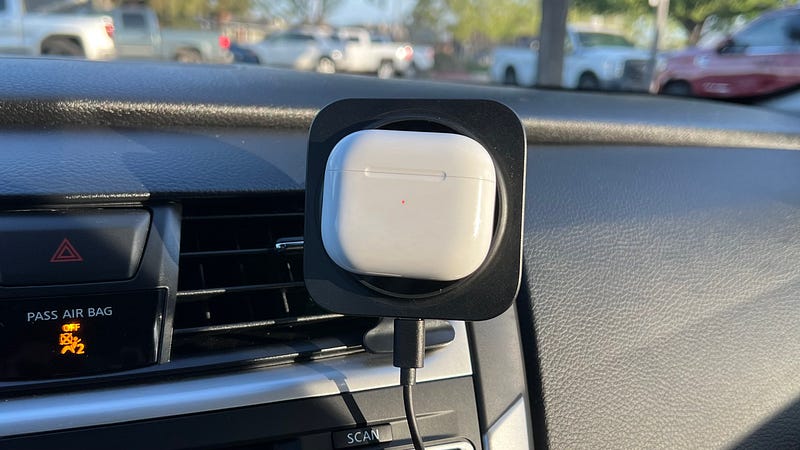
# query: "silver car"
{"points": [[301, 50]]}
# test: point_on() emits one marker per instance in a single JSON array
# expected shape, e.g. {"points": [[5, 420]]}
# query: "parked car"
{"points": [[377, 54], [424, 58], [48, 29], [302, 49], [592, 60], [762, 58], [140, 36]]}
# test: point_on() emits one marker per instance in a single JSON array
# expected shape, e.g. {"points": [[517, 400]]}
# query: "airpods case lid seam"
{"points": [[402, 153]]}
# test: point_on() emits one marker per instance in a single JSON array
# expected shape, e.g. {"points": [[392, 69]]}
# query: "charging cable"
{"points": [[409, 355]]}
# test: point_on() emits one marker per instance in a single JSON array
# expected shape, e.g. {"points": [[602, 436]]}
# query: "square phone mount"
{"points": [[441, 128]]}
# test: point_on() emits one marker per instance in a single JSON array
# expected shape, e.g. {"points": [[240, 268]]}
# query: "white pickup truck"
{"points": [[376, 54], [592, 60], [51, 27]]}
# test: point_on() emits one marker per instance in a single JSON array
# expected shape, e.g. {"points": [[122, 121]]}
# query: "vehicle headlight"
{"points": [[336, 55]]}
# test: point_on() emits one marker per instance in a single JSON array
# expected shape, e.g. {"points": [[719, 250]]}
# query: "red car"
{"points": [[762, 58]]}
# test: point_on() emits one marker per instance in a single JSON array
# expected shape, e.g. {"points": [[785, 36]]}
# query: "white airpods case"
{"points": [[408, 204]]}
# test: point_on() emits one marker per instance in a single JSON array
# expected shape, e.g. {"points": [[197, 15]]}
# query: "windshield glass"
{"points": [[706, 49], [47, 6], [602, 40]]}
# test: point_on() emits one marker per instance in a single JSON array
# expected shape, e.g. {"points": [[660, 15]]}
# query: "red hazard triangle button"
{"points": [[66, 253]]}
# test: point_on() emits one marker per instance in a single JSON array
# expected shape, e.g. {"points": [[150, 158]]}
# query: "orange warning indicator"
{"points": [[66, 253], [67, 327], [69, 341], [71, 344]]}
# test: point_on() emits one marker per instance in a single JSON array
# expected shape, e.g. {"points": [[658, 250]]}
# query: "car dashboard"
{"points": [[658, 306]]}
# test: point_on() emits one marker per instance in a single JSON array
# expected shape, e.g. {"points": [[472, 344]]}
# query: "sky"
{"points": [[358, 12]]}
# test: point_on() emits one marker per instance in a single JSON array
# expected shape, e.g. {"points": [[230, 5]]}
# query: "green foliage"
{"points": [[298, 11], [237, 8], [430, 14], [689, 13], [469, 20], [186, 13], [611, 6], [696, 11], [497, 20]]}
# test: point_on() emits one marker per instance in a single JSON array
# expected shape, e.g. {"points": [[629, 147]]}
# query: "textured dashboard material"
{"points": [[157, 95], [666, 294], [120, 164]]}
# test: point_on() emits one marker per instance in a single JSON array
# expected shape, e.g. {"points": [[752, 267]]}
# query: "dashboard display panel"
{"points": [[78, 335]]}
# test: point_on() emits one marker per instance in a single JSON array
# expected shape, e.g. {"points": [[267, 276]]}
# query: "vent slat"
{"points": [[243, 216], [306, 320], [241, 283], [202, 294], [235, 252]]}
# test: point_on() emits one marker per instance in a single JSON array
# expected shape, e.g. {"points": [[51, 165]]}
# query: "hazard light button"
{"points": [[75, 246]]}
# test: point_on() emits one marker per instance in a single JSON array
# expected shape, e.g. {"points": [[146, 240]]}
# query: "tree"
{"points": [[430, 14], [298, 11], [496, 20], [238, 8], [428, 21], [691, 14], [551, 43], [187, 12], [469, 20]]}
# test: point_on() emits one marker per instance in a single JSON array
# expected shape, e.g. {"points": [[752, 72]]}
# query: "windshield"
{"points": [[51, 6], [706, 49], [381, 38], [602, 40]]}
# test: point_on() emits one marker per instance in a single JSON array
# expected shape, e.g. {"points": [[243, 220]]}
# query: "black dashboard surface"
{"points": [[661, 235]]}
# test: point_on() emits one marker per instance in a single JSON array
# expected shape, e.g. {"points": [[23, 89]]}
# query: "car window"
{"points": [[602, 40], [792, 30], [42, 5], [133, 21], [275, 38], [298, 37], [771, 32]]}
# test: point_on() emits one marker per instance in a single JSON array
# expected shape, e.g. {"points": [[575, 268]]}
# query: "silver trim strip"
{"points": [[510, 432], [290, 244], [353, 373], [449, 446], [453, 446]]}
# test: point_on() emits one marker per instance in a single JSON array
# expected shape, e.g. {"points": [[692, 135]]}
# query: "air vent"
{"points": [[241, 293]]}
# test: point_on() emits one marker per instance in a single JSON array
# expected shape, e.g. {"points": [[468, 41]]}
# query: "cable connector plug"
{"points": [[409, 355], [409, 348]]}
